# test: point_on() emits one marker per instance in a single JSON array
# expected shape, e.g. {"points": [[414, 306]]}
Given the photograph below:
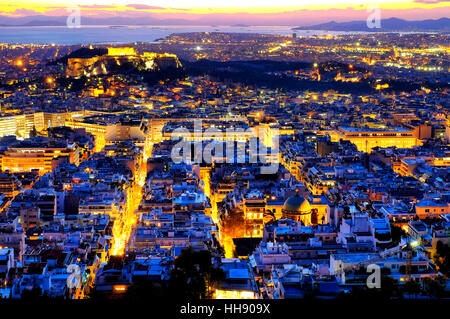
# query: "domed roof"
{"points": [[297, 205]]}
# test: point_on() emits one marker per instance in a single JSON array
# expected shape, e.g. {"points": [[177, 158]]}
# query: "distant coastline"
{"points": [[61, 35], [387, 25], [107, 34]]}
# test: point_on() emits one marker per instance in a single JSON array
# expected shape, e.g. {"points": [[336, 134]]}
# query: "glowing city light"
{"points": [[414, 243]]}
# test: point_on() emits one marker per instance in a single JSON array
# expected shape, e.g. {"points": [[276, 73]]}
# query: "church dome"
{"points": [[297, 205]]}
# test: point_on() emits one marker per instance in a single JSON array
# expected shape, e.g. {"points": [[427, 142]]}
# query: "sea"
{"points": [[62, 35]]}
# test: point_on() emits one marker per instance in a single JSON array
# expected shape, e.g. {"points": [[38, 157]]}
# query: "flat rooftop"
{"points": [[351, 129]]}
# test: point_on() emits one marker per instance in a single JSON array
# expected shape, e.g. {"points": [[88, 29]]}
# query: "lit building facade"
{"points": [[42, 158], [20, 125], [366, 139]]}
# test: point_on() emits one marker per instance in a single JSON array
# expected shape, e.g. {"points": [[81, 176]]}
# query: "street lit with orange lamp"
{"points": [[123, 226]]}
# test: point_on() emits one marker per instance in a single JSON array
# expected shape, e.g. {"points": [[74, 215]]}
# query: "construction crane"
{"points": [[407, 245], [412, 244]]}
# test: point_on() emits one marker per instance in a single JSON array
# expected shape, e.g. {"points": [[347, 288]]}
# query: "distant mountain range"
{"points": [[387, 25], [42, 20]]}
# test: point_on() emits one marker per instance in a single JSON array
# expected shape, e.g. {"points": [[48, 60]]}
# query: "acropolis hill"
{"points": [[122, 57]]}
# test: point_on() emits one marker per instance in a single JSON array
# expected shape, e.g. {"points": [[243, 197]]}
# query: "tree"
{"points": [[234, 224], [194, 275], [389, 287], [347, 213], [33, 132], [412, 287], [442, 257], [33, 294], [397, 233], [434, 287], [146, 290]]}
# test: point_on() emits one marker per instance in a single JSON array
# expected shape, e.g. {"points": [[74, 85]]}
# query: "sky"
{"points": [[253, 12]]}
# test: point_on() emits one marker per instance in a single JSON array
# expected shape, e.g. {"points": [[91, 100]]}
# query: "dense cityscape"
{"points": [[94, 204]]}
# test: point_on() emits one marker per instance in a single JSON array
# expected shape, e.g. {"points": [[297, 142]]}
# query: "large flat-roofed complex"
{"points": [[38, 155], [366, 139]]}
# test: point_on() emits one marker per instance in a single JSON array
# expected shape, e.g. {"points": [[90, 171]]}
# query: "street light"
{"points": [[414, 243]]}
